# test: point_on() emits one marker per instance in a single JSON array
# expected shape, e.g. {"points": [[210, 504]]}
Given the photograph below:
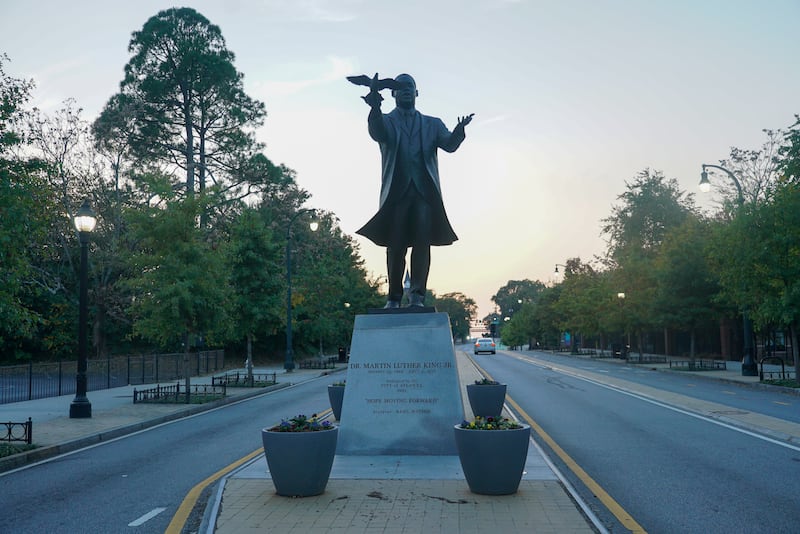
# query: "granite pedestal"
{"points": [[403, 395]]}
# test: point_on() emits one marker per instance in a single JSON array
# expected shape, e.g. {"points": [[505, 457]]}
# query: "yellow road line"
{"points": [[189, 502], [613, 506], [186, 507]]}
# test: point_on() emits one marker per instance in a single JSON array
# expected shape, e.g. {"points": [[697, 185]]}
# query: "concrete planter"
{"points": [[300, 462], [493, 461], [336, 396], [486, 400]]}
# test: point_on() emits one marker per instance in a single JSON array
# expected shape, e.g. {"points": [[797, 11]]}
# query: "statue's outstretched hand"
{"points": [[374, 97], [463, 121]]}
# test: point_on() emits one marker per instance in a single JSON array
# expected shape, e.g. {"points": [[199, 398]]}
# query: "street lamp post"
{"points": [[749, 365], [288, 364], [623, 350], [84, 221]]}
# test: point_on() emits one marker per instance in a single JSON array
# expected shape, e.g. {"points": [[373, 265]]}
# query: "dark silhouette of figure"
{"points": [[411, 212]]}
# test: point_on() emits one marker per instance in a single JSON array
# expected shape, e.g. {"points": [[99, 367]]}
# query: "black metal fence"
{"points": [[18, 431], [42, 380], [783, 374], [174, 394], [319, 362], [242, 380], [698, 365]]}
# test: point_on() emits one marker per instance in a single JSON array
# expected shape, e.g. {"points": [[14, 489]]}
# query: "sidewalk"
{"points": [[114, 415]]}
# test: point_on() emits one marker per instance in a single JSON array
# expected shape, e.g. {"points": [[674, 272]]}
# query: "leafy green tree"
{"points": [[182, 102], [517, 331], [537, 321], [789, 154], [651, 206], [686, 287], [511, 296], [460, 308], [545, 318], [331, 286], [24, 203], [761, 267], [648, 209], [255, 275], [179, 283], [579, 300]]}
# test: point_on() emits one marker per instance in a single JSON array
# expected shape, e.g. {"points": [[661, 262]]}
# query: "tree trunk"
{"points": [[795, 351], [692, 337], [249, 363], [187, 380], [189, 152]]}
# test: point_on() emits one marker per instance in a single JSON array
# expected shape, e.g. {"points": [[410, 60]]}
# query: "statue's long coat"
{"points": [[433, 134]]}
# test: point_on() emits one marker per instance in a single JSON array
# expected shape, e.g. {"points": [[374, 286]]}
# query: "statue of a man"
{"points": [[411, 212]]}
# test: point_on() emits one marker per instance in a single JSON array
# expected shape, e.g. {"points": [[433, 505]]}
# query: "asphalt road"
{"points": [[671, 471], [764, 401], [107, 487]]}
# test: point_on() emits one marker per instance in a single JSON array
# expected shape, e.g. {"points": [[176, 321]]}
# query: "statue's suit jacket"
{"points": [[433, 135]]}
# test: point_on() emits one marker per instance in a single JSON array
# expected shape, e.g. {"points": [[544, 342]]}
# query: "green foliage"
{"points": [[25, 208], [165, 266], [515, 293], [536, 322], [9, 449], [182, 99], [790, 153], [581, 292], [179, 282], [461, 310], [651, 205], [255, 267], [686, 286]]}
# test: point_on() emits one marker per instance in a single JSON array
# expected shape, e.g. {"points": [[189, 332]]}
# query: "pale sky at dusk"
{"points": [[571, 100]]}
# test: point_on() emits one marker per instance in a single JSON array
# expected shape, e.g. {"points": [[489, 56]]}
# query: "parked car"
{"points": [[485, 344]]}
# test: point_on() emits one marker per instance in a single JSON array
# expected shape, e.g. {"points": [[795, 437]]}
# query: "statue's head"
{"points": [[407, 94]]}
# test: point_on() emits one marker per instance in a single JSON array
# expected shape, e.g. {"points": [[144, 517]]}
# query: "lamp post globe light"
{"points": [[749, 365], [85, 221], [288, 364]]}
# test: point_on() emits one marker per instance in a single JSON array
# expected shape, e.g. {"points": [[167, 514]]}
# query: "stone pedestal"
{"points": [[403, 395]]}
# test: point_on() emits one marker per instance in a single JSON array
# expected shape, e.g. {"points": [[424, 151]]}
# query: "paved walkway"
{"points": [[370, 494], [398, 494]]}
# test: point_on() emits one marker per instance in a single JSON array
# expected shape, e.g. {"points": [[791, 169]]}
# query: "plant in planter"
{"points": [[486, 397], [300, 454], [336, 396], [492, 452]]}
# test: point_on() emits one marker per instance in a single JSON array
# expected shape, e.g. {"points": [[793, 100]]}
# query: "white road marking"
{"points": [[146, 517], [575, 374]]}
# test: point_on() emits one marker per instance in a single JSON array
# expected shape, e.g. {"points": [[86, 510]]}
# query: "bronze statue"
{"points": [[411, 212]]}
